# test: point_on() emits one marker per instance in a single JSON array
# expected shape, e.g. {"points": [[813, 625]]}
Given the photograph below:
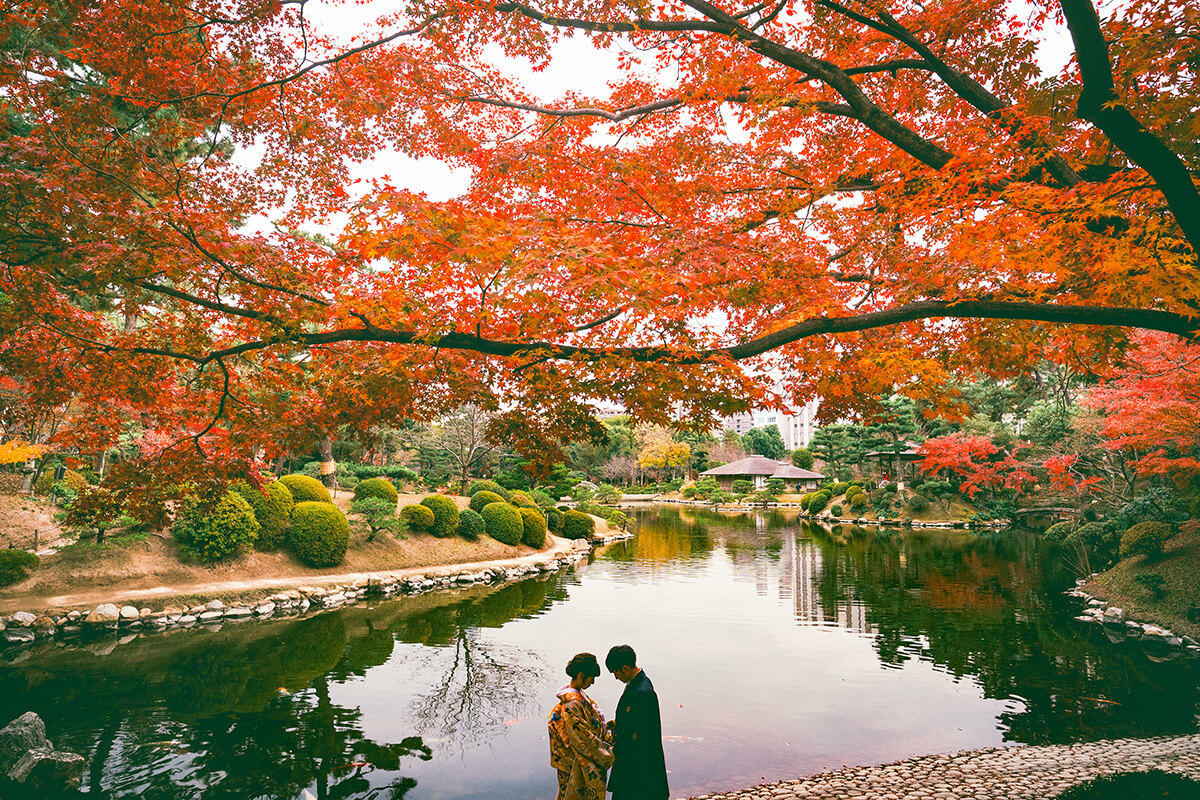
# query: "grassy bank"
{"points": [[1180, 570]]}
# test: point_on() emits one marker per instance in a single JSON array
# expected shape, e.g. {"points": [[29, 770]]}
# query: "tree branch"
{"points": [[1100, 104], [1149, 319]]}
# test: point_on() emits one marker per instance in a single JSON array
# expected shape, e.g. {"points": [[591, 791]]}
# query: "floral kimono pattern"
{"points": [[579, 746]]}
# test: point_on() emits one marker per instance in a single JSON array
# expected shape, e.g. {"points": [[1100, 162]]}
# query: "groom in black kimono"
{"points": [[640, 770]]}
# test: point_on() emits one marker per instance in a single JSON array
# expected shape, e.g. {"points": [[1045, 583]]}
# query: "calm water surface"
{"points": [[778, 649]]}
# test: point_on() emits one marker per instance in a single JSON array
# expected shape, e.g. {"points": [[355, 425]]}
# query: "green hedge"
{"points": [[483, 498], [272, 508], [470, 524], [319, 534], [445, 515], [858, 501], [534, 533], [15, 565], [377, 487], [817, 503], [305, 489], [488, 486], [554, 520], [1145, 539], [838, 488], [503, 522], [521, 500], [417, 517], [1059, 531], [219, 532], [577, 525], [364, 471]]}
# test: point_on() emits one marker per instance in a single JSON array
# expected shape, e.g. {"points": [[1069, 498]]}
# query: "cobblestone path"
{"points": [[999, 773]]}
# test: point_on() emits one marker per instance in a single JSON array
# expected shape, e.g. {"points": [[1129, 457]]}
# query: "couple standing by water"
{"points": [[583, 746]]}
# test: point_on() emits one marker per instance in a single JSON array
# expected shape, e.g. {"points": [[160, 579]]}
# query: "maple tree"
{"points": [[977, 461], [1150, 408], [761, 189]]}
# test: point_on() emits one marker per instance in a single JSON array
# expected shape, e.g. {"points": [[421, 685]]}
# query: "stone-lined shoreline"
{"points": [[898, 522], [316, 594], [996, 773], [1115, 625]]}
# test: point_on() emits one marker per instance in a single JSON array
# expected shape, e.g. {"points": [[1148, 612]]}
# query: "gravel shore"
{"points": [[998, 773]]}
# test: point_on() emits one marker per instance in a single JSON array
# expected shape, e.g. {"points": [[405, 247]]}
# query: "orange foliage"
{"points": [[851, 195]]}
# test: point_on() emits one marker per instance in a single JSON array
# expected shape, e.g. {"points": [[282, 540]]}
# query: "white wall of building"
{"points": [[796, 429]]}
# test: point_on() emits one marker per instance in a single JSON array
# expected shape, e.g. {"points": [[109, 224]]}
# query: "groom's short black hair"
{"points": [[619, 656]]}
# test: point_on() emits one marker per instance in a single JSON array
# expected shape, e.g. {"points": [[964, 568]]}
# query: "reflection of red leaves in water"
{"points": [[952, 594]]}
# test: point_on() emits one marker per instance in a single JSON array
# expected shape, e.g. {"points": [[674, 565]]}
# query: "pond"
{"points": [[778, 649]]}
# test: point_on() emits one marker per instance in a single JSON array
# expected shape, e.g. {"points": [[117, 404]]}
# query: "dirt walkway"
{"points": [[268, 585]]}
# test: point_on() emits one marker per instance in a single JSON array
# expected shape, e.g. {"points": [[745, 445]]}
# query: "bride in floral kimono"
{"points": [[580, 745]]}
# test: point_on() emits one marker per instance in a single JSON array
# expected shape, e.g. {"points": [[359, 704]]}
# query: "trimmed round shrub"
{"points": [[916, 503], [503, 522], [218, 532], [376, 487], [305, 489], [1145, 539], [488, 486], [838, 488], [858, 501], [554, 520], [818, 501], [484, 498], [805, 500], [445, 515], [534, 534], [74, 481], [891, 488], [1059, 531], [15, 565], [417, 517], [470, 524], [836, 510], [521, 500], [320, 534], [577, 525], [272, 508]]}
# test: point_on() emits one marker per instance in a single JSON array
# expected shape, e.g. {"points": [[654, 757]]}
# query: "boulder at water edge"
{"points": [[28, 759]]}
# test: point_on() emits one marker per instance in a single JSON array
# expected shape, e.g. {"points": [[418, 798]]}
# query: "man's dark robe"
{"points": [[640, 771]]}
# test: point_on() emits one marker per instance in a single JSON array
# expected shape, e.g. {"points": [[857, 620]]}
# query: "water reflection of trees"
{"points": [[481, 684], [247, 712], [990, 607]]}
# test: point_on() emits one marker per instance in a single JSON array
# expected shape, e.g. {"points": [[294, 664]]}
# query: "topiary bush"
{"points": [[534, 533], [217, 532], [417, 518], [817, 503], [554, 520], [319, 534], [272, 509], [15, 565], [521, 500], [503, 522], [577, 525], [305, 489], [1145, 539], [836, 510], [1059, 531], [445, 515], [858, 501], [470, 524], [376, 487], [484, 498], [891, 488], [488, 486], [1100, 540], [838, 488], [917, 503], [805, 500]]}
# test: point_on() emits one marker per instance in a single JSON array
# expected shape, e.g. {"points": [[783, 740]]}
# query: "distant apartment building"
{"points": [[796, 429]]}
